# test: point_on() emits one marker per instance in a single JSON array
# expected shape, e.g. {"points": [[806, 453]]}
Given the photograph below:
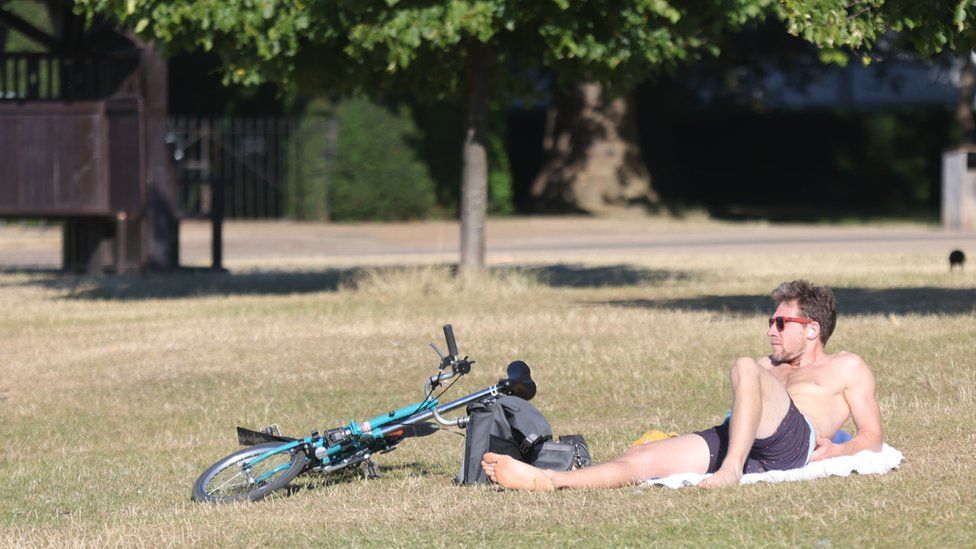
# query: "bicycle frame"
{"points": [[355, 442], [377, 429]]}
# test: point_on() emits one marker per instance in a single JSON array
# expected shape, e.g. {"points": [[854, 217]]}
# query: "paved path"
{"points": [[521, 240], [509, 240]]}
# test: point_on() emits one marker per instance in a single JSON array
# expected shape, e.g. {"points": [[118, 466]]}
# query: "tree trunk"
{"points": [[594, 164], [964, 107], [474, 183]]}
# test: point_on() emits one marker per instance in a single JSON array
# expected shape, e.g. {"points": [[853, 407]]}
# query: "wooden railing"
{"points": [[48, 77]]}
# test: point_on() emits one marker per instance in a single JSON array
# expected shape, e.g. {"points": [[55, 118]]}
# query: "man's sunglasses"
{"points": [[781, 321]]}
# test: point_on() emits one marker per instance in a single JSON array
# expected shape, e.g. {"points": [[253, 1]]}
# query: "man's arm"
{"points": [[859, 392]]}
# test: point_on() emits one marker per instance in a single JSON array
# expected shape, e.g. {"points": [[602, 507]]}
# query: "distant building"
{"points": [[82, 125]]}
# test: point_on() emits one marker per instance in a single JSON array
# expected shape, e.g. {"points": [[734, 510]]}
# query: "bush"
{"points": [[309, 153], [501, 198], [418, 176], [377, 175]]}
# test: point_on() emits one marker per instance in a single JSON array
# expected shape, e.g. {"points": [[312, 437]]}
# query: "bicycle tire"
{"points": [[247, 489]]}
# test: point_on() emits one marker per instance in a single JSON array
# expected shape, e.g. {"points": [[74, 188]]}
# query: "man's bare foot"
{"points": [[510, 473], [721, 479]]}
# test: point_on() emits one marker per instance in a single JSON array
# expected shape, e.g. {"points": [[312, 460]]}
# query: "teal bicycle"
{"points": [[270, 461]]}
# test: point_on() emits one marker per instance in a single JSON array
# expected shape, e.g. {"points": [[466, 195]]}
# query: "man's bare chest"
{"points": [[809, 381]]}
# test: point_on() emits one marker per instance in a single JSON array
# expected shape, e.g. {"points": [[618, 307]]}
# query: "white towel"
{"points": [[865, 463]]}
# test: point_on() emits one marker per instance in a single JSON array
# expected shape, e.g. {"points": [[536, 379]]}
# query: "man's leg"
{"points": [[684, 454], [759, 404]]}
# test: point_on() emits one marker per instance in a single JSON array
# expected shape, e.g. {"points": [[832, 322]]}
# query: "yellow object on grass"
{"points": [[653, 435]]}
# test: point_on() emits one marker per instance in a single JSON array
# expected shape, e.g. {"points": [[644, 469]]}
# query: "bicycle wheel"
{"points": [[228, 480]]}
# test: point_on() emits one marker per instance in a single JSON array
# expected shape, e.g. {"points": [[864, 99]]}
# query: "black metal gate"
{"points": [[249, 159]]}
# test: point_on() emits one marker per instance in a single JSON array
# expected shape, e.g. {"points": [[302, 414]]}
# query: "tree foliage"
{"points": [[927, 26], [380, 45]]}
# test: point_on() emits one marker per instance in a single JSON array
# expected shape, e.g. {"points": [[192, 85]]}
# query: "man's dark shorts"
{"points": [[788, 448]]}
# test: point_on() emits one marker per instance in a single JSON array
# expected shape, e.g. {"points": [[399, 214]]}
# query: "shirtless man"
{"points": [[786, 408]]}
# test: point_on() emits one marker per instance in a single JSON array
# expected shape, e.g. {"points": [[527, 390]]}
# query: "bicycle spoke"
{"points": [[272, 472], [217, 489], [246, 479]]}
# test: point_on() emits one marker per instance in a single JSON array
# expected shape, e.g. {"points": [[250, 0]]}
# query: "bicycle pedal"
{"points": [[370, 470]]}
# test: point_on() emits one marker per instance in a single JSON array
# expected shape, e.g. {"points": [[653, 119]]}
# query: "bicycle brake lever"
{"points": [[436, 350], [445, 360]]}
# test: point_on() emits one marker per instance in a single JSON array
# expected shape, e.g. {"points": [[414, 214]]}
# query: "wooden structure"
{"points": [[959, 189], [82, 139]]}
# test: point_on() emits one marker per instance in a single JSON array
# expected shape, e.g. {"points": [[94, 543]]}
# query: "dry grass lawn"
{"points": [[115, 393]]}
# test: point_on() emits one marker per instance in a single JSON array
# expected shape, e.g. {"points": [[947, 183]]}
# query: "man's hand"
{"points": [[721, 479], [823, 449]]}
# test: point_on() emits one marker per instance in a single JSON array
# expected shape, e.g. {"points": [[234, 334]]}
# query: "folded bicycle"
{"points": [[271, 461]]}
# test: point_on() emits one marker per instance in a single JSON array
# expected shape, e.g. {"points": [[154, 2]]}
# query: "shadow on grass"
{"points": [[30, 270], [612, 276], [204, 283], [850, 301], [316, 481]]}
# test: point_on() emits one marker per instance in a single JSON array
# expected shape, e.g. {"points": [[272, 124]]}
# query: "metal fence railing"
{"points": [[259, 164]]}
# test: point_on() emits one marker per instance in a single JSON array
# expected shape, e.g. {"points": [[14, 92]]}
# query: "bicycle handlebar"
{"points": [[452, 349], [458, 366], [437, 379]]}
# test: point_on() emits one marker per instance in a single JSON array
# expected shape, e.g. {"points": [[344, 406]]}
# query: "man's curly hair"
{"points": [[815, 302]]}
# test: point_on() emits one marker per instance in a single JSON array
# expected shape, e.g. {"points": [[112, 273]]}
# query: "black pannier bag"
{"points": [[570, 452], [510, 425]]}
